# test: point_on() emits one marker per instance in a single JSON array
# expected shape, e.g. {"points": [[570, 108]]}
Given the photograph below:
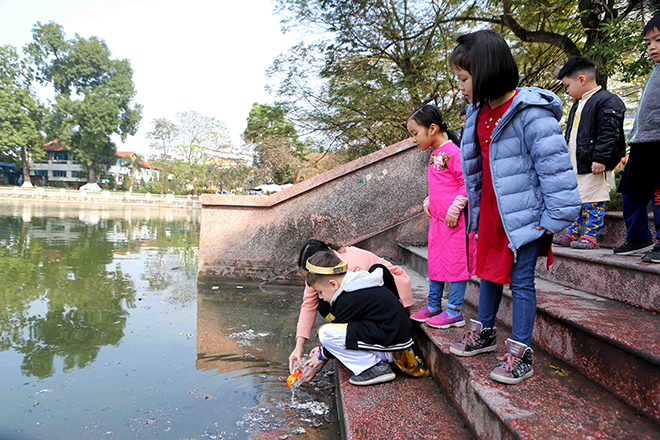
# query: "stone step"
{"points": [[406, 408], [585, 331], [613, 344], [624, 278], [556, 402]]}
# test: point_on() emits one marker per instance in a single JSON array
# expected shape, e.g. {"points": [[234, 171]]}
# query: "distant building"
{"points": [[143, 171], [9, 174], [60, 165]]}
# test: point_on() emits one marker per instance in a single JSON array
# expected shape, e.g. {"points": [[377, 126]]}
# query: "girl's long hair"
{"points": [[310, 248], [488, 59], [425, 115]]}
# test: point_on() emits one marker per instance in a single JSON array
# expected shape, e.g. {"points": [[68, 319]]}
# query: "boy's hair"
{"points": [[324, 258], [653, 23], [425, 115], [576, 66], [310, 248], [487, 57]]}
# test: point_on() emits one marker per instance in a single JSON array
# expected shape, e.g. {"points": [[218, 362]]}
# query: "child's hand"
{"points": [[313, 365], [451, 221], [597, 168], [427, 211]]}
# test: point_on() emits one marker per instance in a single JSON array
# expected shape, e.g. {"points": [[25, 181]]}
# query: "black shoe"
{"points": [[633, 247], [379, 373], [477, 340], [653, 256]]}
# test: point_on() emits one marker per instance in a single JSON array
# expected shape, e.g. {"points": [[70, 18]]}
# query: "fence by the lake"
{"points": [[40, 193]]}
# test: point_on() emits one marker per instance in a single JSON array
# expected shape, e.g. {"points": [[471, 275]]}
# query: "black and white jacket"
{"points": [[376, 318]]}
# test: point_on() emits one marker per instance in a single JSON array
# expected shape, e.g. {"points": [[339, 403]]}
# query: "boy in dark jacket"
{"points": [[594, 134], [369, 320]]}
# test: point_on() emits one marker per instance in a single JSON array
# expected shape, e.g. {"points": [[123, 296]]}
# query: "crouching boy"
{"points": [[370, 322]]}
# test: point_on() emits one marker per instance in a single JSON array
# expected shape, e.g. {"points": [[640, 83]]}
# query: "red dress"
{"points": [[494, 258]]}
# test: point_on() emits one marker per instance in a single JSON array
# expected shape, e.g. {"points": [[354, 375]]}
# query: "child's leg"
{"points": [[456, 295], [333, 338], [595, 219], [523, 291], [452, 316], [436, 289], [575, 230], [490, 295], [636, 217], [434, 307]]}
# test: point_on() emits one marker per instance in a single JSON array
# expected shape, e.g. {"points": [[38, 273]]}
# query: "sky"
{"points": [[203, 55]]}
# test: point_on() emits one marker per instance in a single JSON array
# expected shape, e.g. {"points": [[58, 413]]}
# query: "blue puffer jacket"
{"points": [[533, 177]]}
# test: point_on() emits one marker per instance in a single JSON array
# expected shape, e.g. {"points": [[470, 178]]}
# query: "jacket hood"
{"points": [[533, 96], [359, 280]]}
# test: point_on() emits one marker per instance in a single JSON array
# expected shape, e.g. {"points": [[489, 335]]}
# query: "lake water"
{"points": [[106, 334]]}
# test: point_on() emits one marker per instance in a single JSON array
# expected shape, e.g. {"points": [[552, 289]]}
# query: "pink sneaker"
{"points": [[444, 321], [424, 314]]}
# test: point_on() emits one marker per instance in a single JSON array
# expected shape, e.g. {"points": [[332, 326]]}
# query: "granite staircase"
{"points": [[597, 361]]}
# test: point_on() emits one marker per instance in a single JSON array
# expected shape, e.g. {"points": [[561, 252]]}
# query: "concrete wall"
{"points": [[374, 201]]}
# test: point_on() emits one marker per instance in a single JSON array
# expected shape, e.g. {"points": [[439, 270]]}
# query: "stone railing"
{"points": [[40, 193], [374, 201]]}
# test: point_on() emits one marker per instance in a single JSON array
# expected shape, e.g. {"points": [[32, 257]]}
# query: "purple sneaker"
{"points": [[444, 321], [516, 363], [424, 314]]}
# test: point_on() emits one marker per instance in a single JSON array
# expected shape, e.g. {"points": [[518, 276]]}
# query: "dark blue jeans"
{"points": [[637, 218], [523, 291]]}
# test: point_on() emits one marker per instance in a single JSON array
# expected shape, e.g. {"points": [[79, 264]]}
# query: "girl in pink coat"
{"points": [[452, 253]]}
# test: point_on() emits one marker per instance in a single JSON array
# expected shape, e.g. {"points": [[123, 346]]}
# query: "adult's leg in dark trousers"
{"points": [[636, 216]]}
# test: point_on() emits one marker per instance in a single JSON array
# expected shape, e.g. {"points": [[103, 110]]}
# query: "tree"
{"points": [[200, 139], [163, 138], [608, 31], [21, 113], [377, 61], [134, 164], [370, 63], [94, 94], [279, 155]]}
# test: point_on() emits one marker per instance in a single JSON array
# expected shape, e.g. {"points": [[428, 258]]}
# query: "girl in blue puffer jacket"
{"points": [[521, 188]]}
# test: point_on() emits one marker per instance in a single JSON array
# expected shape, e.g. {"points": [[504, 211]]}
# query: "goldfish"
{"points": [[292, 378]]}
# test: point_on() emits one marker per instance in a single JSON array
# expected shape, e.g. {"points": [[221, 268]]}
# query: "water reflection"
{"points": [[61, 295], [105, 333]]}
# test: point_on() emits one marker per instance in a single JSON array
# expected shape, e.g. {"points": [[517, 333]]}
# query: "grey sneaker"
{"points": [[633, 247], [379, 373], [516, 363], [477, 340], [652, 256]]}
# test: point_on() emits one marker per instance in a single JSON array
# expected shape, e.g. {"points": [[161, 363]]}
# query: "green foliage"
{"points": [[376, 61], [21, 113], [279, 154], [368, 64], [94, 93], [200, 139]]}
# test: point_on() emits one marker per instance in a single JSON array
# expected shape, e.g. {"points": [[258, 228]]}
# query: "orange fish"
{"points": [[292, 378]]}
